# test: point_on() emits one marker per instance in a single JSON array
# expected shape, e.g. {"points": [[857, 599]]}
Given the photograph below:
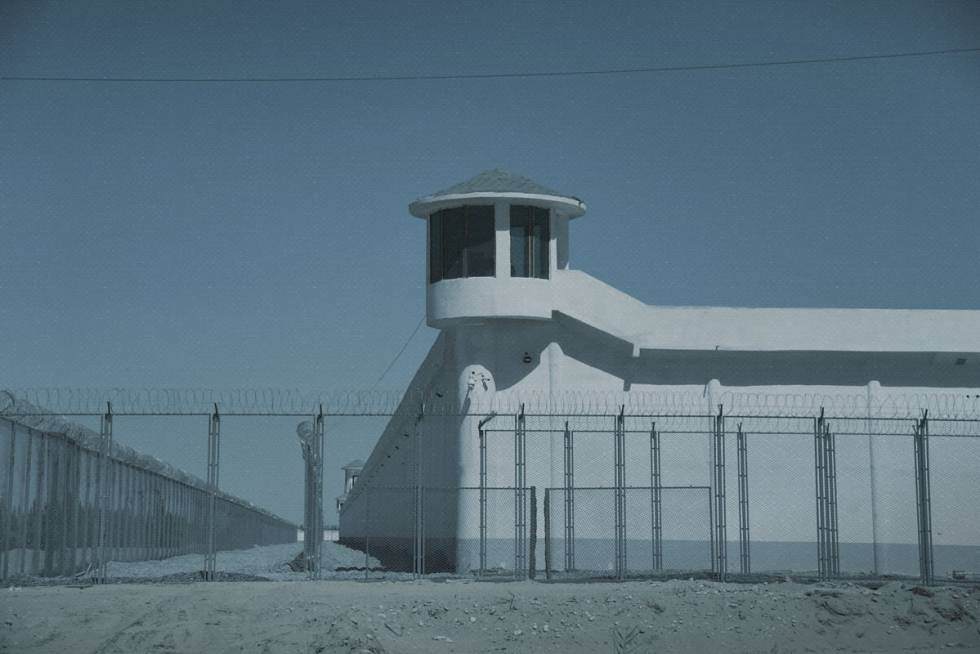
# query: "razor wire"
{"points": [[886, 403], [780, 428], [45, 420]]}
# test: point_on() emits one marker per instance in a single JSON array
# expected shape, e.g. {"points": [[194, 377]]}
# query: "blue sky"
{"points": [[228, 235]]}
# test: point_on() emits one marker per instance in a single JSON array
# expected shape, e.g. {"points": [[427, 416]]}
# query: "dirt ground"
{"points": [[471, 616]]}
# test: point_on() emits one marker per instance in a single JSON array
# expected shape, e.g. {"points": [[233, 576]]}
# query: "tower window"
{"points": [[461, 243], [529, 236]]}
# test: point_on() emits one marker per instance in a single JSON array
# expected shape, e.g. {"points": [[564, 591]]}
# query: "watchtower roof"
{"points": [[497, 183]]}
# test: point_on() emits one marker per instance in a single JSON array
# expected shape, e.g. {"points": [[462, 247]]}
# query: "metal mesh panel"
{"points": [[854, 512], [55, 492], [895, 513], [382, 522], [781, 489], [584, 494], [955, 506], [591, 550]]}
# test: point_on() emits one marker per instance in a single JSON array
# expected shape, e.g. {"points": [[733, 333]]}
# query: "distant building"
{"points": [[518, 324], [351, 472]]}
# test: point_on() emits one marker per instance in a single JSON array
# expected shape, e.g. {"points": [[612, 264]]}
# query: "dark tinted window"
{"points": [[539, 238], [529, 237], [435, 248], [453, 240], [480, 242], [461, 243], [520, 235]]}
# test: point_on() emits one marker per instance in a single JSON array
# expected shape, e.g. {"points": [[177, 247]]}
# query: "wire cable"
{"points": [[400, 352], [499, 75]]}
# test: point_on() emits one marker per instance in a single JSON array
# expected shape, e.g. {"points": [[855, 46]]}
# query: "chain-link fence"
{"points": [[70, 506], [473, 531], [811, 494], [863, 488], [665, 530]]}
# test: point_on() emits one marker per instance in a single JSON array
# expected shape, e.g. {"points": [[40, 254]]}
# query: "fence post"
{"points": [[830, 441], [311, 436], [38, 509], [214, 455], [64, 504], [51, 514], [367, 531], [87, 512], [418, 568], [7, 502], [124, 511], [26, 509], [818, 477], [569, 498], [547, 533], [720, 508], [63, 499], [923, 499], [74, 499], [173, 512], [619, 456], [481, 430], [656, 525], [181, 519], [532, 547], [711, 530], [150, 517], [115, 509], [79, 519], [319, 432], [305, 448], [105, 488], [745, 540], [825, 480], [185, 520], [873, 389], [520, 497], [159, 511]]}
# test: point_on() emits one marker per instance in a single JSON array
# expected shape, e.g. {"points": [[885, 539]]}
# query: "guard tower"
{"points": [[494, 244], [518, 327]]}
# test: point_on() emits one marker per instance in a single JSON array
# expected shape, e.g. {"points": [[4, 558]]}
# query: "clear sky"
{"points": [[234, 234]]}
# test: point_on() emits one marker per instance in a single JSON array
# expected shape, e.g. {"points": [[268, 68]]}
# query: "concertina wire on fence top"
{"points": [[41, 419], [793, 408], [884, 402]]}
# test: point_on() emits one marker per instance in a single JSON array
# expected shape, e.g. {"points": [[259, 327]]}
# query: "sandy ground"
{"points": [[472, 616], [268, 562], [265, 562]]}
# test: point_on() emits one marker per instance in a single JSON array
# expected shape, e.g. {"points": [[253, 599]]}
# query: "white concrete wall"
{"points": [[572, 344], [483, 367]]}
